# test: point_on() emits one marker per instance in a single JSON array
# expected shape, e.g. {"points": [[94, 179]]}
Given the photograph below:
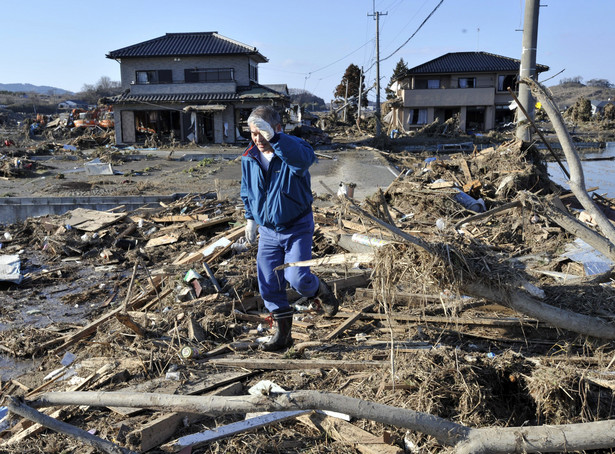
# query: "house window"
{"points": [[209, 75], [417, 117], [433, 83], [504, 82], [466, 82], [253, 72], [162, 76]]}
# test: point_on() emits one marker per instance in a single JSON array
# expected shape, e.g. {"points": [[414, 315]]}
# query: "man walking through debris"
{"points": [[277, 194]]}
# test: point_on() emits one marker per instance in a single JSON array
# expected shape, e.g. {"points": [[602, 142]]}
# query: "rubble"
{"points": [[126, 293]]}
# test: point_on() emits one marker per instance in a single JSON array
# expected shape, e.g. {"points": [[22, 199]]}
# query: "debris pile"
{"points": [[430, 271]]}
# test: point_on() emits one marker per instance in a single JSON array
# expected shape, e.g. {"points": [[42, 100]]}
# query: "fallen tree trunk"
{"points": [[554, 316], [557, 438], [566, 437], [577, 180], [446, 432]]}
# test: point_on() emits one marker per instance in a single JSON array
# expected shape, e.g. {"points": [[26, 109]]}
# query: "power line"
{"points": [[415, 32], [340, 59]]}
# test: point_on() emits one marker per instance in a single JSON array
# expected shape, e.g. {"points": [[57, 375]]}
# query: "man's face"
{"points": [[259, 140]]}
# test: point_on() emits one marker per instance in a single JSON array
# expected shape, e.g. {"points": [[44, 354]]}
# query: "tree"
{"points": [[576, 81], [399, 71], [355, 80], [103, 88], [600, 83]]}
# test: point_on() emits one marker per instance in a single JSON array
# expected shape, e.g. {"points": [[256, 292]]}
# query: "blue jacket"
{"points": [[283, 194]]}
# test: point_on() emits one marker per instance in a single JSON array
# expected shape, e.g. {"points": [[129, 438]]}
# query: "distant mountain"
{"points": [[27, 88]]}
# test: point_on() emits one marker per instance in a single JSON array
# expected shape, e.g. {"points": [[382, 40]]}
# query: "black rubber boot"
{"points": [[328, 301], [282, 338]]}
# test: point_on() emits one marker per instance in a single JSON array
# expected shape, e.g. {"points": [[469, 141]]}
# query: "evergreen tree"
{"points": [[398, 72], [354, 79]]}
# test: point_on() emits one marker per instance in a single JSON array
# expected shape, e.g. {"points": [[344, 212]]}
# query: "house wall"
{"points": [[452, 97], [449, 96], [129, 67]]}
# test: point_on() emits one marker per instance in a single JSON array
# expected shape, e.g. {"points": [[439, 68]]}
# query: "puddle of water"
{"points": [[13, 368], [366, 169], [596, 173]]}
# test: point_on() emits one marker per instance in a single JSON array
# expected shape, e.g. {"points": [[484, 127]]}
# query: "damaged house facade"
{"points": [[472, 85], [192, 87]]}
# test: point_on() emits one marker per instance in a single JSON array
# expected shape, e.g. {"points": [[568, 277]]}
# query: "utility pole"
{"points": [[346, 102], [376, 16], [360, 96], [528, 68]]}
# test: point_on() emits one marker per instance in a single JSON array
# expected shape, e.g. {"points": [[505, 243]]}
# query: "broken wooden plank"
{"points": [[409, 298], [195, 331], [161, 429], [466, 170], [442, 185], [350, 434], [202, 438], [335, 259], [127, 321], [211, 252], [200, 225], [91, 220], [349, 321], [181, 218], [497, 322], [161, 240], [293, 364]]}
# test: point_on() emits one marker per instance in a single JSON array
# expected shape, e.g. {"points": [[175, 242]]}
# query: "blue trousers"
{"points": [[277, 248]]}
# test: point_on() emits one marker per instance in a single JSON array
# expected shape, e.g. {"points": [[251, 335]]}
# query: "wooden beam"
{"points": [[293, 364], [348, 433], [348, 322], [498, 322]]}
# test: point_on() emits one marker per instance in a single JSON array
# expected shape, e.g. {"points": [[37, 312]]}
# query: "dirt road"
{"points": [[191, 170]]}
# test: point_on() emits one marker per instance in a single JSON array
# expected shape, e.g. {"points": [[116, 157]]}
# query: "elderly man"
{"points": [[277, 195]]}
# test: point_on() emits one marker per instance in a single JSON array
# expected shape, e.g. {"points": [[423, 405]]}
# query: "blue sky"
{"points": [[309, 44]]}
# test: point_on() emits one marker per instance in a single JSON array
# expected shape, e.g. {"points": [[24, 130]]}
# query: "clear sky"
{"points": [[309, 44]]}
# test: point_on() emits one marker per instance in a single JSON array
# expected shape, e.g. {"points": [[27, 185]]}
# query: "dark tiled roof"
{"points": [[172, 98], [465, 62], [254, 91], [187, 44]]}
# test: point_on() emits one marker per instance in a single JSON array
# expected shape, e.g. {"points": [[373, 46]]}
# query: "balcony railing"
{"points": [[449, 97]]}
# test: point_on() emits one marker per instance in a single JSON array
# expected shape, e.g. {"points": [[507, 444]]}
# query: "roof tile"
{"points": [[463, 62], [186, 44]]}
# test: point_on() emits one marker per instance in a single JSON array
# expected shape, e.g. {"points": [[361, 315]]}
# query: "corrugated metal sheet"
{"points": [[466, 62], [186, 44]]}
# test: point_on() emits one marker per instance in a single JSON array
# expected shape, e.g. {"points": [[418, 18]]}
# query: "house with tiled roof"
{"points": [[472, 85], [196, 87]]}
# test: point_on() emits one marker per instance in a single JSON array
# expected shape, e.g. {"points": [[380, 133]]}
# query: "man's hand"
{"points": [[263, 127], [251, 231]]}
